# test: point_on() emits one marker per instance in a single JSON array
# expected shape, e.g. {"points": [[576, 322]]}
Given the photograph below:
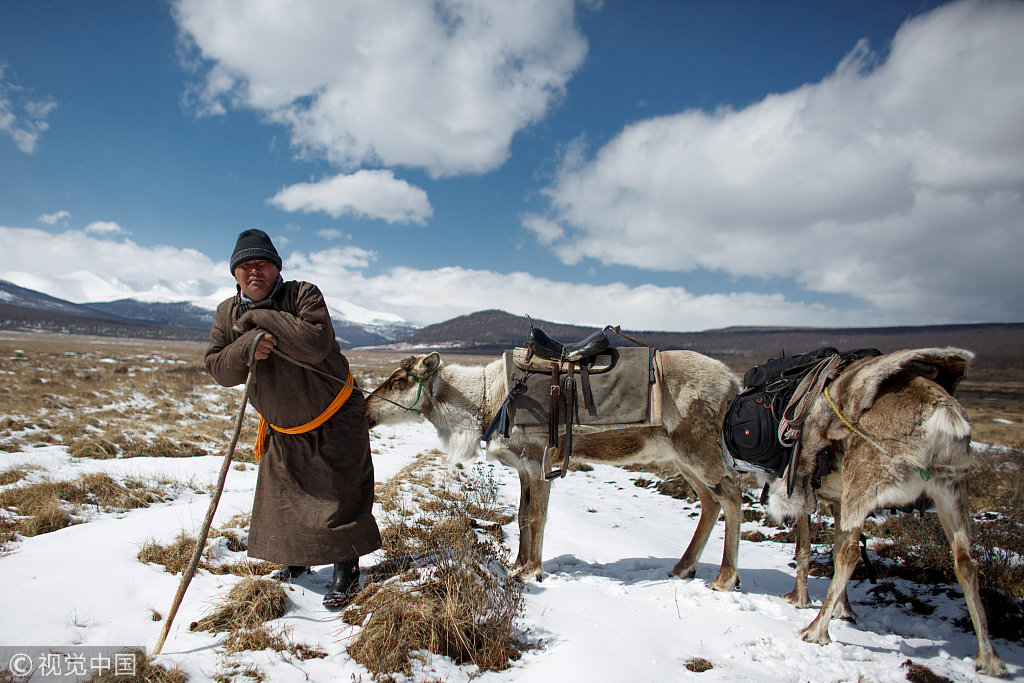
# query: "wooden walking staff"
{"points": [[190, 571]]}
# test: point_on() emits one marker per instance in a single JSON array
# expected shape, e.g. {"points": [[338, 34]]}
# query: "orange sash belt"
{"points": [[261, 430]]}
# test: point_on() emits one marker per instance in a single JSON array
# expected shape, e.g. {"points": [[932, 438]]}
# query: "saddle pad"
{"points": [[621, 396]]}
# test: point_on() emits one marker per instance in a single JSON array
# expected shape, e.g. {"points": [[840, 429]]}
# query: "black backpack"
{"points": [[750, 431]]}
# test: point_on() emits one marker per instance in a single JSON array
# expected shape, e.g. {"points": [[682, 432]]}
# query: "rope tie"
{"points": [[261, 430], [925, 474]]}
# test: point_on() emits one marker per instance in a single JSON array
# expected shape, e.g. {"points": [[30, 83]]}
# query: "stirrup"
{"points": [[553, 474]]}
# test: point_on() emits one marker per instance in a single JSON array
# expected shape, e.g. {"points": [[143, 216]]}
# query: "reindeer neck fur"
{"points": [[462, 402]]}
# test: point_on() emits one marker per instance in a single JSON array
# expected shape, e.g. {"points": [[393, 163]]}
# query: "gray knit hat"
{"points": [[251, 245]]}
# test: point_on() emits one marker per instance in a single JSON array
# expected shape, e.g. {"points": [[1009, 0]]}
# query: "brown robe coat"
{"points": [[314, 493]]}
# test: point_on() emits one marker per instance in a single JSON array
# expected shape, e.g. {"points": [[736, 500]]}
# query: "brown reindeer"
{"points": [[896, 432], [461, 400]]}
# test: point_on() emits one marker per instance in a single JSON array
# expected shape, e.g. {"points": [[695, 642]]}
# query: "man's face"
{"points": [[256, 278]]}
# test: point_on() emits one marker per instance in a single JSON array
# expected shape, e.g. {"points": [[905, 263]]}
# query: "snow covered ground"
{"points": [[606, 610]]}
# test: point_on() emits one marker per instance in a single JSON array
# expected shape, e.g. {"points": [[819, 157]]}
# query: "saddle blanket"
{"points": [[626, 388]]}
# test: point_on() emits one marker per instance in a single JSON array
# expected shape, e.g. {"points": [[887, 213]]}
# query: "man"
{"points": [[314, 492]]}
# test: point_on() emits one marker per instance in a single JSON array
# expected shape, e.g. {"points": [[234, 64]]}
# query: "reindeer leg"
{"points": [[951, 502], [799, 596], [686, 567], [730, 498], [843, 609], [534, 494], [525, 534], [846, 556]]}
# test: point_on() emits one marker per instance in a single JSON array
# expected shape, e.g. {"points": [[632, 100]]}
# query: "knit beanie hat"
{"points": [[251, 245]]}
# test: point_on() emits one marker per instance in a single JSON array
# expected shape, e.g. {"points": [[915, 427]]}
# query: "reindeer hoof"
{"points": [[682, 573], [724, 586], [811, 635], [798, 599], [726, 580], [526, 574], [990, 666]]}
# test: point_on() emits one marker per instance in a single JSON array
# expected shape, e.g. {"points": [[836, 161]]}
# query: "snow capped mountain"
{"points": [[87, 286], [161, 307]]}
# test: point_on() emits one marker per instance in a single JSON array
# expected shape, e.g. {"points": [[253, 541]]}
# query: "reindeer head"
{"points": [[402, 395]]}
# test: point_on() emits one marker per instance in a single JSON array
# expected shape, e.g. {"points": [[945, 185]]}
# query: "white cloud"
{"points": [[83, 267], [331, 234], [428, 296], [370, 194], [80, 267], [898, 182], [442, 86], [55, 218], [22, 117], [107, 228]]}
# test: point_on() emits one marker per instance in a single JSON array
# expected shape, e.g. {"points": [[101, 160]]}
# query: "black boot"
{"points": [[344, 585], [290, 572]]}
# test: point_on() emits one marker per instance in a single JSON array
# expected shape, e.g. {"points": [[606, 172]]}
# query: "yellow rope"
{"points": [[840, 415], [925, 474], [261, 430]]}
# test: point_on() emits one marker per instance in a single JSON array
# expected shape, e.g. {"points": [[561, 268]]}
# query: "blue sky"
{"points": [[659, 165]]}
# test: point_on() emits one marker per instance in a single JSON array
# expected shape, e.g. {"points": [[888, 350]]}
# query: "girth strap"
{"points": [[553, 411], [588, 394]]}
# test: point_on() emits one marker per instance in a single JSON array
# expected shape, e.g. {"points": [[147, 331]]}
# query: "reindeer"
{"points": [[461, 400], [896, 432]]}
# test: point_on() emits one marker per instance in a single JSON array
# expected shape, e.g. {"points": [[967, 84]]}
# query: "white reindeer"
{"points": [[896, 431], [461, 400]]}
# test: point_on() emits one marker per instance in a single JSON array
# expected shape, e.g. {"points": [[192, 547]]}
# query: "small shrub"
{"points": [[919, 673], [677, 487], [455, 606], [443, 586], [698, 665]]}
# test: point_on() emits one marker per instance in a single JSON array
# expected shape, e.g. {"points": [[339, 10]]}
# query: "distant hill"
{"points": [[998, 346], [180, 314], [29, 310], [491, 332]]}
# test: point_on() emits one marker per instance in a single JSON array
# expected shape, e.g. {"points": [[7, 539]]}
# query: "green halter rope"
{"points": [[419, 389]]}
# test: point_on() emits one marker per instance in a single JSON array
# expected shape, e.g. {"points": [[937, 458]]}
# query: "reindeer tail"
{"points": [[948, 431]]}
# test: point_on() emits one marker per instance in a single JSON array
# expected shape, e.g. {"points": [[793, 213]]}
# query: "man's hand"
{"points": [[263, 346]]}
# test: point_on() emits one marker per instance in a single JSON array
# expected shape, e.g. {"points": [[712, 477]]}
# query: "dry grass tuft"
{"points": [[919, 673], [443, 586], [145, 672], [13, 475], [450, 602], [96, 448], [698, 665], [261, 638], [233, 670], [250, 602], [50, 505], [157, 448], [174, 556], [8, 533]]}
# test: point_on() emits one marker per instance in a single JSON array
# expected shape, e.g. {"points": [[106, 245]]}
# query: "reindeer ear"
{"points": [[431, 363]]}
